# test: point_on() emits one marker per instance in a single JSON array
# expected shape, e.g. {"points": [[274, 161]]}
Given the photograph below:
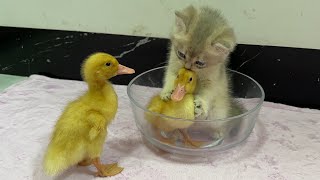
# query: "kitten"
{"points": [[202, 41]]}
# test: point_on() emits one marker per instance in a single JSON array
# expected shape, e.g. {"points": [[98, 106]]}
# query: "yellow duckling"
{"points": [[80, 132], [181, 105]]}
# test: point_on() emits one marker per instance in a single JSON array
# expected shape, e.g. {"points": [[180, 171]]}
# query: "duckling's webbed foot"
{"points": [[105, 170], [188, 140]]}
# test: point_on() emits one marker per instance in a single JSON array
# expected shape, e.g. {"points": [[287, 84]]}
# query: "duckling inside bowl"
{"points": [[171, 125], [181, 105]]}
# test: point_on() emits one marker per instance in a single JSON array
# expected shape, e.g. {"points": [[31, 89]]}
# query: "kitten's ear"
{"points": [[220, 49], [180, 22], [225, 43], [184, 17]]}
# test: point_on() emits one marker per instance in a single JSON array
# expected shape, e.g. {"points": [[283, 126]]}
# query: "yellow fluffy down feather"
{"points": [[185, 83], [80, 131]]}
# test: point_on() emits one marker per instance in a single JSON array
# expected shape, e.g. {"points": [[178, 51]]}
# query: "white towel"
{"points": [[285, 143]]}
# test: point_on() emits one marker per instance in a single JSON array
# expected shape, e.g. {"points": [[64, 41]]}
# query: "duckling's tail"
{"points": [[56, 161]]}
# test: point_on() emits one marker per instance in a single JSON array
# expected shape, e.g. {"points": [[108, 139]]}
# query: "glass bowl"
{"points": [[247, 93]]}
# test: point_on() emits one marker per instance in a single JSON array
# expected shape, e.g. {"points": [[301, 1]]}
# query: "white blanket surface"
{"points": [[285, 143]]}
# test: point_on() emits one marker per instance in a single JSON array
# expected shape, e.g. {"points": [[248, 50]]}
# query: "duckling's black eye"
{"points": [[190, 79], [108, 64], [181, 55]]}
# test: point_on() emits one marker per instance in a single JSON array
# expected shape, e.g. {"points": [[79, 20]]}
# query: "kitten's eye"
{"points": [[200, 63], [108, 64], [190, 79], [181, 55]]}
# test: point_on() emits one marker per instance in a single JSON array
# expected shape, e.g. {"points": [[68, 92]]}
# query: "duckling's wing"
{"points": [[156, 105], [188, 107], [183, 109], [97, 123]]}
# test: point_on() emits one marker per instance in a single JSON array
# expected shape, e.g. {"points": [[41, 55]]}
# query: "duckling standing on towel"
{"points": [[181, 105], [80, 133]]}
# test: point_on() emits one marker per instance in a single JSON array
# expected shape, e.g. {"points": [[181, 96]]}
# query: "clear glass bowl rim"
{"points": [[261, 99]]}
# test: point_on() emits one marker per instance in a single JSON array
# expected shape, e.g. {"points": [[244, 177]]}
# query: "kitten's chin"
{"points": [[202, 75]]}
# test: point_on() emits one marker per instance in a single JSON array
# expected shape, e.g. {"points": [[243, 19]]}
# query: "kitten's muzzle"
{"points": [[188, 65]]}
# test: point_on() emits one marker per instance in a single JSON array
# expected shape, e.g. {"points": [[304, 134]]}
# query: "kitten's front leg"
{"points": [[202, 105], [168, 85], [220, 109]]}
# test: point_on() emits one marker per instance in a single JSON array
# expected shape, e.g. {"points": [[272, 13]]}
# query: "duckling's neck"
{"points": [[97, 86]]}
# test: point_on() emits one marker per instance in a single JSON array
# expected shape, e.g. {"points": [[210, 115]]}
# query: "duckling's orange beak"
{"points": [[124, 70], [178, 93]]}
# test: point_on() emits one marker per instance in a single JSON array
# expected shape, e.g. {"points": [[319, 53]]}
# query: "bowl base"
{"points": [[193, 139]]}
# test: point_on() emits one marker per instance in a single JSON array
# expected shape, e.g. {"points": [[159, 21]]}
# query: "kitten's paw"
{"points": [[197, 108], [218, 135], [165, 95], [200, 108], [217, 138]]}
